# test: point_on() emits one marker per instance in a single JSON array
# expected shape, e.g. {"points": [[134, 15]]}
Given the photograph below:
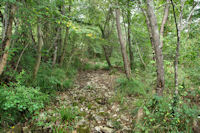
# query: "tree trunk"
{"points": [[158, 50], [164, 21], [7, 36], [65, 47], [39, 51], [123, 45], [149, 28], [129, 37], [19, 59], [140, 55], [106, 31], [63, 54], [177, 50], [107, 55], [56, 41]]}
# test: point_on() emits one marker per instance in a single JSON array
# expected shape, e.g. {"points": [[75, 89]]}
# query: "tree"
{"points": [[39, 50], [157, 46], [8, 26], [106, 31], [164, 21], [129, 34], [123, 45], [66, 39]]}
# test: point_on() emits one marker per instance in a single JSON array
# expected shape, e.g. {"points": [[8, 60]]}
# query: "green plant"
{"points": [[131, 87], [117, 125], [164, 114], [20, 102], [54, 79], [69, 114]]}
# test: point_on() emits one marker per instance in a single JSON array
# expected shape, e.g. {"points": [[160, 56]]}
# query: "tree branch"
{"points": [[190, 16]]}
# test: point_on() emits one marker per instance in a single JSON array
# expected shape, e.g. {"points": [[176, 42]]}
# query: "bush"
{"points": [[54, 79], [164, 114], [19, 102], [131, 87]]}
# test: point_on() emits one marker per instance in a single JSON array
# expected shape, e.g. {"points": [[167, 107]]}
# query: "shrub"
{"points": [[164, 114], [54, 79], [131, 87], [19, 102]]}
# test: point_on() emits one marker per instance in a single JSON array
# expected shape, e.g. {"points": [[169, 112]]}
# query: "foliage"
{"points": [[69, 114], [164, 114], [19, 102], [54, 79], [131, 87], [79, 30]]}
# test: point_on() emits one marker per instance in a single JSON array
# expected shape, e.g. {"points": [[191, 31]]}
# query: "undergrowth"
{"points": [[174, 113]]}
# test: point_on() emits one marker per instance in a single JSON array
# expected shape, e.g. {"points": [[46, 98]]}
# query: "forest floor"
{"points": [[100, 108]]}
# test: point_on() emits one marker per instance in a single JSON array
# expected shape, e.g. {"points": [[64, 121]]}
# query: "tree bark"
{"points": [[164, 21], [123, 45], [6, 41], [63, 54], [149, 28], [129, 36], [65, 46], [39, 51], [158, 50], [19, 59], [105, 35], [178, 33], [107, 55], [140, 55], [56, 41], [1, 16]]}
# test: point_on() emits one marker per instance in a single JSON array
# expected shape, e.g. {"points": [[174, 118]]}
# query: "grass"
{"points": [[69, 114]]}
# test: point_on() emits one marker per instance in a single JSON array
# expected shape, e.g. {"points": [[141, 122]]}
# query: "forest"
{"points": [[99, 66]]}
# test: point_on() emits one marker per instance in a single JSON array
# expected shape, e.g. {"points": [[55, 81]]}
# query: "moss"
{"points": [[104, 114], [74, 104], [83, 129], [89, 106], [82, 99], [83, 114]]}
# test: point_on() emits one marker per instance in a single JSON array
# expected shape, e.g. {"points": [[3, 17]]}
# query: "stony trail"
{"points": [[93, 94]]}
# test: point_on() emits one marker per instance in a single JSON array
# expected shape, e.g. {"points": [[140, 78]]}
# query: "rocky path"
{"points": [[94, 94], [100, 109]]}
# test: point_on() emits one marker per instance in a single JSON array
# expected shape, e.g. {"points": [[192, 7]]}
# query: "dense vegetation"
{"points": [[153, 47]]}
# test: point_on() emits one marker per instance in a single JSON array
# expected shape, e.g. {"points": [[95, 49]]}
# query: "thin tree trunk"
{"points": [[177, 50], [1, 16], [140, 55], [65, 47], [58, 32], [123, 46], [158, 50], [19, 59], [39, 51], [55, 55], [6, 41], [105, 35], [107, 56], [164, 21], [129, 36], [63, 54], [149, 28]]}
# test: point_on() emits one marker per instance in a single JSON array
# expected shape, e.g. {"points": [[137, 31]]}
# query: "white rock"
{"points": [[98, 129], [106, 129], [123, 117], [109, 124], [115, 115]]}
